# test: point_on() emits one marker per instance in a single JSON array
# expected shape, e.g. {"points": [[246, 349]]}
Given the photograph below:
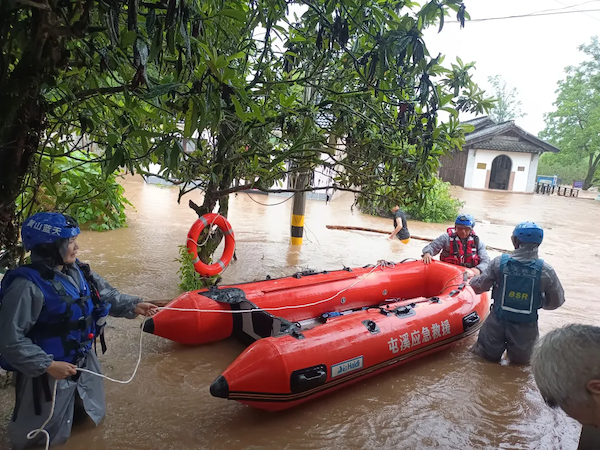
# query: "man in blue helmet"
{"points": [[522, 283], [460, 246], [51, 313]]}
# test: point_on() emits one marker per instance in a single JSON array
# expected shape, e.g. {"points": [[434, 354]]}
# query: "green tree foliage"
{"points": [[189, 279], [259, 92], [507, 105], [438, 206], [574, 127], [567, 169], [75, 185]]}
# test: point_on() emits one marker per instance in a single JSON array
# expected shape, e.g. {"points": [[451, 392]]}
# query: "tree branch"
{"points": [[45, 6], [231, 190], [88, 93]]}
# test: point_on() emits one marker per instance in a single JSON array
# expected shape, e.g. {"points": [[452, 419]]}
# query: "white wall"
{"points": [[535, 159], [487, 157], [470, 169]]}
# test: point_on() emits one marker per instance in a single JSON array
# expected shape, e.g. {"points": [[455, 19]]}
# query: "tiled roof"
{"points": [[492, 130], [484, 137], [479, 122], [509, 146]]}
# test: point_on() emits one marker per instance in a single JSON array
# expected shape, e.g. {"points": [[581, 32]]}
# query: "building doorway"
{"points": [[500, 174]]}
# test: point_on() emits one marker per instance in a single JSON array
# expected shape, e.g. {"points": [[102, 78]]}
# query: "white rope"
{"points": [[210, 231], [33, 433], [381, 263]]}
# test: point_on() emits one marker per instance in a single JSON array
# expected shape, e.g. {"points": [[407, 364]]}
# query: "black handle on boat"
{"points": [[316, 376], [308, 378]]}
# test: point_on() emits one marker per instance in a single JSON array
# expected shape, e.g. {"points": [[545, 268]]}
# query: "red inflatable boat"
{"points": [[313, 333], [208, 315], [276, 373]]}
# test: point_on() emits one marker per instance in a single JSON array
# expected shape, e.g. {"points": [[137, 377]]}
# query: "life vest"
{"points": [[67, 324], [517, 296], [459, 254], [101, 307]]}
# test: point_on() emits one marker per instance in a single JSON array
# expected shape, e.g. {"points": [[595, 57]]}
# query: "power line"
{"points": [[532, 15], [269, 204], [573, 6], [566, 6]]}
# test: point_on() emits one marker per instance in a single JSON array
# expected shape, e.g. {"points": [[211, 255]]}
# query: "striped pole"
{"points": [[297, 222]]}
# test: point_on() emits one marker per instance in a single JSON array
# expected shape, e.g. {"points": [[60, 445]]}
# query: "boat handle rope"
{"points": [[381, 264]]}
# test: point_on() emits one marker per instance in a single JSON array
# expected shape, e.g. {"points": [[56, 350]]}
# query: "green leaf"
{"points": [[286, 101], [221, 62], [176, 150], [233, 13], [213, 68], [157, 42], [114, 160], [112, 139], [144, 133], [161, 89], [191, 119], [257, 113], [171, 40], [238, 55], [239, 111], [452, 111], [51, 188], [150, 22], [128, 38]]}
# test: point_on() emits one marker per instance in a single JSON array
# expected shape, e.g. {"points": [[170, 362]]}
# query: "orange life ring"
{"points": [[192, 244]]}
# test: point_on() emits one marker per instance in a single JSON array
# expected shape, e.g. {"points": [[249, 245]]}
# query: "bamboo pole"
{"points": [[372, 230]]}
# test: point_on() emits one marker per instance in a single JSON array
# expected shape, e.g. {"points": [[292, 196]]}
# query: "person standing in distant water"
{"points": [[400, 227]]}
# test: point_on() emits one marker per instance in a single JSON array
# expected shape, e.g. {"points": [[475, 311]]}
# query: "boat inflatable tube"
{"points": [[280, 372], [192, 244]]}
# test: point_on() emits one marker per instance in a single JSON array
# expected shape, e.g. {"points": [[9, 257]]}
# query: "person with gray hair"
{"points": [[522, 283], [566, 368]]}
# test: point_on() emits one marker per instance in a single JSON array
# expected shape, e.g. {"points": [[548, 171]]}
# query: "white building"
{"points": [[495, 156]]}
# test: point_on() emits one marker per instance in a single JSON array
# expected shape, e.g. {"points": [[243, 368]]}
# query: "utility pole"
{"points": [[302, 179], [298, 208]]}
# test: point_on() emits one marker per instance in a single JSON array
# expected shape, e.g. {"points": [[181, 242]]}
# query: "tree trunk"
{"points": [[224, 172], [22, 118], [592, 166]]}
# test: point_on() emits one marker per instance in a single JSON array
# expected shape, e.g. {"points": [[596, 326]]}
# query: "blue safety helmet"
{"points": [[465, 220], [529, 232], [46, 228]]}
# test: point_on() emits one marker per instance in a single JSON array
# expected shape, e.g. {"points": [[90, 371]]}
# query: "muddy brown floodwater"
{"points": [[451, 400]]}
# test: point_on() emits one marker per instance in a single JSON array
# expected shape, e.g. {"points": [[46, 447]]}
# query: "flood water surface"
{"points": [[451, 400]]}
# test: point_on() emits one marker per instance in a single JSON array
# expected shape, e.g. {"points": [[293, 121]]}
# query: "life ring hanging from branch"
{"points": [[208, 220]]}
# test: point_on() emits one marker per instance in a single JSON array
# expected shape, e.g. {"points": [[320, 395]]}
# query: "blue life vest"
{"points": [[101, 307], [517, 296], [66, 326]]}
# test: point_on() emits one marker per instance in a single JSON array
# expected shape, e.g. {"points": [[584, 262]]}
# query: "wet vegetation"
{"points": [[574, 125], [220, 91]]}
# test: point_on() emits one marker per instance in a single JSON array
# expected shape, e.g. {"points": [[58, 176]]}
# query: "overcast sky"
{"points": [[529, 53]]}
